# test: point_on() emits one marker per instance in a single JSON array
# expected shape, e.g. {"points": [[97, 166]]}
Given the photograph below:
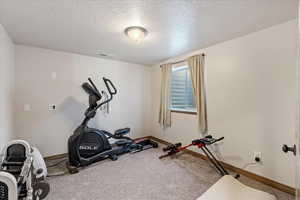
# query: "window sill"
{"points": [[184, 112]]}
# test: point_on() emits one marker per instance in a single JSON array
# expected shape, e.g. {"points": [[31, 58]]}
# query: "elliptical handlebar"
{"points": [[111, 90], [90, 113], [110, 86], [94, 86]]}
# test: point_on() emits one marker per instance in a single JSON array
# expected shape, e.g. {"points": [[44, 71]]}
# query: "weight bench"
{"points": [[228, 188]]}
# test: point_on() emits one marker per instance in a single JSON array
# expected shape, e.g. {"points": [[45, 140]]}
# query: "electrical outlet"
{"points": [[257, 157], [51, 107]]}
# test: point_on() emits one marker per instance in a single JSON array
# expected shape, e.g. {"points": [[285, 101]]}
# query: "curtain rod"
{"points": [[180, 61]]}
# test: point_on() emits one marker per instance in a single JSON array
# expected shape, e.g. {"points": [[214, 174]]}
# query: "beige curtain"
{"points": [[196, 65], [165, 93]]}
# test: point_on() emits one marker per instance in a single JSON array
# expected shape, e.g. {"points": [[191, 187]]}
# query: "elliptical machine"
{"points": [[89, 145]]}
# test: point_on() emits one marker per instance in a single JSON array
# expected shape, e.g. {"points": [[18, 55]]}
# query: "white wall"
{"points": [[49, 130], [251, 95], [6, 87]]}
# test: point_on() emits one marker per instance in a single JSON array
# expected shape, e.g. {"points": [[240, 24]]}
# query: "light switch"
{"points": [[27, 107]]}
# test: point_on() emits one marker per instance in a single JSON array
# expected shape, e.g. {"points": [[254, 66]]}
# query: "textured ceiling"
{"points": [[91, 27]]}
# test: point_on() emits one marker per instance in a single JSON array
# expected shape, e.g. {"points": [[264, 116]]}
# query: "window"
{"points": [[182, 95]]}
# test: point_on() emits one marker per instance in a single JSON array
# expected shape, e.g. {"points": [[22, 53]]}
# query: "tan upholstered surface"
{"points": [[228, 188]]}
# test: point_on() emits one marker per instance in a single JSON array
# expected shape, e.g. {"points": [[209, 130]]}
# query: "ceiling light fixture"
{"points": [[136, 33]]}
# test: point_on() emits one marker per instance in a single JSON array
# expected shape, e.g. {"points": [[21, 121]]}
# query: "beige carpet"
{"points": [[143, 176]]}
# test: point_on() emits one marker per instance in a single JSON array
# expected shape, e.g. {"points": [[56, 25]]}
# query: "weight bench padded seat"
{"points": [[228, 188]]}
